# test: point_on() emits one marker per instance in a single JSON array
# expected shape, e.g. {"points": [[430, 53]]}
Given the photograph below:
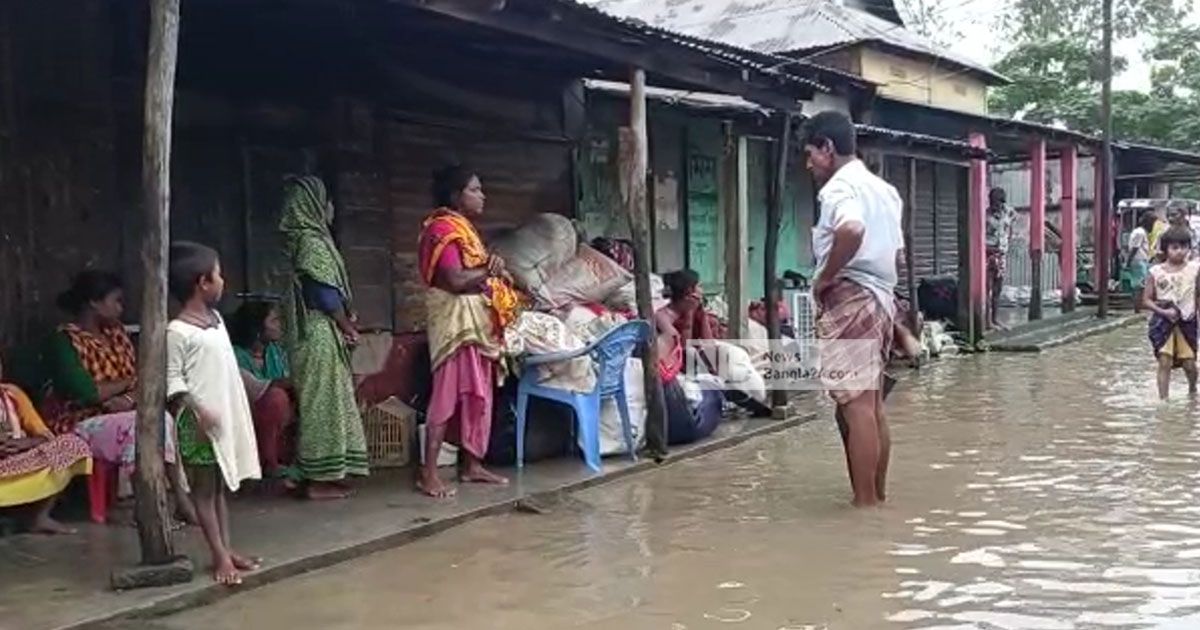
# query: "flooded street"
{"points": [[1028, 492]]}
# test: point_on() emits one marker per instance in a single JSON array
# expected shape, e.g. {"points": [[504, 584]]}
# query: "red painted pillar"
{"points": [[1098, 232], [1070, 213], [1037, 224], [977, 229]]}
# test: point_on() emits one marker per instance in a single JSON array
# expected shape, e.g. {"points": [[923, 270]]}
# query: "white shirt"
{"points": [[201, 363], [855, 194], [1177, 287], [1139, 241]]}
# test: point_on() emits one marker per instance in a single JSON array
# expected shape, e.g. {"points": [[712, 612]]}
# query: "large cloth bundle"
{"points": [[589, 277], [537, 249]]}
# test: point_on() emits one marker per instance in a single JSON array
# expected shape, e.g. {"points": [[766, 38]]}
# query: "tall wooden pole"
{"points": [[634, 157], [153, 512], [1106, 163], [770, 273], [910, 222]]}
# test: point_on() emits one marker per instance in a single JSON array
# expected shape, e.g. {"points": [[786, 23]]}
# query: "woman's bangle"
{"points": [[126, 396]]}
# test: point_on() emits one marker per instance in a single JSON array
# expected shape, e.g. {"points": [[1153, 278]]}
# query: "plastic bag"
{"points": [[589, 277], [612, 436], [625, 298], [534, 251]]}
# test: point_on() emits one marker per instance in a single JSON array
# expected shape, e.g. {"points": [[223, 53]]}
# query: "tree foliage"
{"points": [[1054, 64], [931, 19]]}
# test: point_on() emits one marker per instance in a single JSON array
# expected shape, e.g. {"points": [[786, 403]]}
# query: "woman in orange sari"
{"points": [[469, 301]]}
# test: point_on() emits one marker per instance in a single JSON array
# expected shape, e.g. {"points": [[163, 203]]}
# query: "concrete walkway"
{"points": [[62, 582], [1050, 333]]}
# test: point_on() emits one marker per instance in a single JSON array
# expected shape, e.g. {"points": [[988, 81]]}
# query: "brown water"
{"points": [[1028, 492]]}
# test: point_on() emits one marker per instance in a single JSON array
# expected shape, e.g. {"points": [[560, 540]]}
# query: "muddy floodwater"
{"points": [[1028, 492]]}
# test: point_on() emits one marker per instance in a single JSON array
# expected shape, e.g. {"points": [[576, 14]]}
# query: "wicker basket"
{"points": [[391, 429]]}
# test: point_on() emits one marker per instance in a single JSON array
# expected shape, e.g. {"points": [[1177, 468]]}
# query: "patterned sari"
{"points": [[332, 443], [465, 331], [31, 473], [85, 361]]}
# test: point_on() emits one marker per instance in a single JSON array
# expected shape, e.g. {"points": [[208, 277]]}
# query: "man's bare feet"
{"points": [[225, 573], [321, 491], [476, 473], [50, 527], [431, 485], [243, 563]]}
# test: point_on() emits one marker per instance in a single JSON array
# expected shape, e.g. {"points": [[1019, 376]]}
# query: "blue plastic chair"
{"points": [[609, 355]]}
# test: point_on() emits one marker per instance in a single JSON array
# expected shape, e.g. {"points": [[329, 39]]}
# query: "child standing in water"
{"points": [[204, 387], [1170, 295]]}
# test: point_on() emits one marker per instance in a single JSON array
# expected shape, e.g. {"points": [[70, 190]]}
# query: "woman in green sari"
{"points": [[320, 334]]}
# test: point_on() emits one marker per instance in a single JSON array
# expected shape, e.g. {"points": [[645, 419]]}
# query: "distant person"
{"points": [[1000, 219], [256, 330], [1139, 256], [204, 387], [1170, 296], [857, 242], [1155, 233]]}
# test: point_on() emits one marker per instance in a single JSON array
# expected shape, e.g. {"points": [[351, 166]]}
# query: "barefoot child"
{"points": [[1170, 296], [204, 386]]}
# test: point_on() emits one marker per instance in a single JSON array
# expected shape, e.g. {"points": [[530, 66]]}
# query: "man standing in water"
{"points": [[857, 242]]}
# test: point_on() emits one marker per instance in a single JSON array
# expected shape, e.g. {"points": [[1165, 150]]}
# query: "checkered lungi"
{"points": [[851, 312]]}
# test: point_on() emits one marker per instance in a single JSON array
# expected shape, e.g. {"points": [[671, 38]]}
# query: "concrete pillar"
{"points": [[1070, 213], [737, 245], [1037, 224], [977, 233]]}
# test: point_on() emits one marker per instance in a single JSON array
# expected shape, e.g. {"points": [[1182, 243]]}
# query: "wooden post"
{"points": [[735, 201], [976, 229], [634, 157], [153, 512], [910, 221], [770, 272], [1070, 213], [1106, 161], [1037, 224]]}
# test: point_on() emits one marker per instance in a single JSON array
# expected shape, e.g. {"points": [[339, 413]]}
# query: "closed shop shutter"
{"points": [[924, 223], [521, 177], [948, 192]]}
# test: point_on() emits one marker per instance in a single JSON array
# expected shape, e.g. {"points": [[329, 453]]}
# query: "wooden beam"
{"points": [[774, 296], [1037, 224], [735, 202], [678, 62], [634, 160], [150, 485]]}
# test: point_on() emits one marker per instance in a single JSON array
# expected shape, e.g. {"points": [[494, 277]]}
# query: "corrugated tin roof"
{"points": [[782, 26], [702, 101], [729, 52]]}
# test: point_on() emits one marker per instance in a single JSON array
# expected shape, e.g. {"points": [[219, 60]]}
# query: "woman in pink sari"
{"points": [[469, 301]]}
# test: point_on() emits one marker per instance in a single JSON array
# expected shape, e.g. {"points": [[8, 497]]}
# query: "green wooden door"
{"points": [[792, 250], [706, 252]]}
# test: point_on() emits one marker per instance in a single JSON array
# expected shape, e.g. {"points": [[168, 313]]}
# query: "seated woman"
{"points": [[35, 466], [256, 330], [93, 368], [683, 320]]}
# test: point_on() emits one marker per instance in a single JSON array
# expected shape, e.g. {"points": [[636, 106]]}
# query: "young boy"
{"points": [[205, 390], [1170, 296]]}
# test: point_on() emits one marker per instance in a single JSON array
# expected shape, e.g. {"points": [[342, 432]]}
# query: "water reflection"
{"points": [[1029, 493]]}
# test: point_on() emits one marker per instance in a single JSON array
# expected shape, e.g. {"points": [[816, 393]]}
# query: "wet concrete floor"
{"points": [[1040, 493]]}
